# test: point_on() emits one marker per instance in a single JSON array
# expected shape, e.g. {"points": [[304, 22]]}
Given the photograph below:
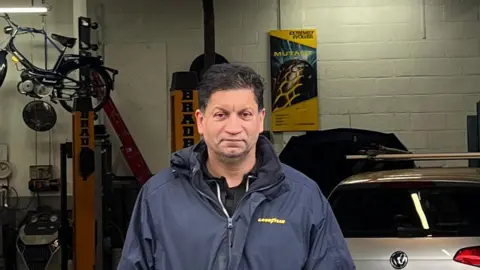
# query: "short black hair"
{"points": [[222, 77]]}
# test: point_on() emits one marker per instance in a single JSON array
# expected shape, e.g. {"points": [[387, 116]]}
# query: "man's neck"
{"points": [[234, 172]]}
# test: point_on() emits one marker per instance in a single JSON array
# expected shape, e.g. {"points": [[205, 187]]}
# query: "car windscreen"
{"points": [[407, 210]]}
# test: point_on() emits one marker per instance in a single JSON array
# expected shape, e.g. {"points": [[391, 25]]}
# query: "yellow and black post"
{"points": [[183, 104], [83, 185], [83, 155]]}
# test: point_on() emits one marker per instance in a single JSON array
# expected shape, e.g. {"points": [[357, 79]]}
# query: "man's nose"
{"points": [[234, 125]]}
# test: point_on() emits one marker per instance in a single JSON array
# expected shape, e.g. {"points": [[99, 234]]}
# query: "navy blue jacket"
{"points": [[282, 223]]}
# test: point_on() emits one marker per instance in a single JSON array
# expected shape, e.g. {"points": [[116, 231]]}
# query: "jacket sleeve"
{"points": [[139, 247], [328, 248]]}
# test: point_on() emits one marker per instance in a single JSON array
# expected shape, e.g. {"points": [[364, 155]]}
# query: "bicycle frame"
{"points": [[64, 64], [10, 47]]}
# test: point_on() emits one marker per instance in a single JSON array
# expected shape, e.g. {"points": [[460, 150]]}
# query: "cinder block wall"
{"points": [[405, 66]]}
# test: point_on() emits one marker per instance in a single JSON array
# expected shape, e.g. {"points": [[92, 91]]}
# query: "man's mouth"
{"points": [[230, 142]]}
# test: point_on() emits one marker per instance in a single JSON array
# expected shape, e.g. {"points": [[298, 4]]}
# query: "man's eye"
{"points": [[219, 115], [246, 114]]}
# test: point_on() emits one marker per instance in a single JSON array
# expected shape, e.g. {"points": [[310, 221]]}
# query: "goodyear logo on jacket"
{"points": [[271, 220]]}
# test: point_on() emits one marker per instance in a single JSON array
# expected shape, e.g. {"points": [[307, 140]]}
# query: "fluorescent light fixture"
{"points": [[23, 10]]}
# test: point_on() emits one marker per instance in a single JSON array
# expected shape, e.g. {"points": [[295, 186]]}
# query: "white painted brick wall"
{"points": [[379, 67], [388, 65], [397, 66]]}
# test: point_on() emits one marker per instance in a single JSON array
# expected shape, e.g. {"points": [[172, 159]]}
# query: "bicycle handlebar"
{"points": [[22, 29], [9, 21]]}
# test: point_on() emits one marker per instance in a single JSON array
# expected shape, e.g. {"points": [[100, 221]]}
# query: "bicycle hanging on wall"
{"points": [[58, 83]]}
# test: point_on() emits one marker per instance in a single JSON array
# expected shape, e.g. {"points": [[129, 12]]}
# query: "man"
{"points": [[228, 202]]}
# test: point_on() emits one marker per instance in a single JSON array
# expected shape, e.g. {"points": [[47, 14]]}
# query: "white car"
{"points": [[426, 218]]}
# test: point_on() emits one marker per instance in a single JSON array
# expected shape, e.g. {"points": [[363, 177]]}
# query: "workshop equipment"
{"points": [[38, 243], [129, 148], [90, 173], [83, 166], [41, 179], [184, 103], [39, 115]]}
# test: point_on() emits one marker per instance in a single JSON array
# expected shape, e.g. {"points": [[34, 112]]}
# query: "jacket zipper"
{"points": [[229, 221], [229, 218], [256, 190]]}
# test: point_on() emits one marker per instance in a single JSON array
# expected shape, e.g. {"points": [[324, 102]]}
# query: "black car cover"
{"points": [[321, 155]]}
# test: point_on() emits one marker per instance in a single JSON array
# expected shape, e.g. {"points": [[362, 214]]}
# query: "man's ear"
{"points": [[262, 120], [199, 121]]}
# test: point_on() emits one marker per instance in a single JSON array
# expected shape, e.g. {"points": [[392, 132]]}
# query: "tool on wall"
{"points": [[39, 115], [42, 179]]}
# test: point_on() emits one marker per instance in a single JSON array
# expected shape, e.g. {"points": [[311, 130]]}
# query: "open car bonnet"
{"points": [[321, 155]]}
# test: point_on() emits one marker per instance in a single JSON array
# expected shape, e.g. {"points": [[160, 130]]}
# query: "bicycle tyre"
{"points": [[108, 84]]}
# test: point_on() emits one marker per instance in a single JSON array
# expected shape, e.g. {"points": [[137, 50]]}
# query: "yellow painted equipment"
{"points": [[83, 185], [184, 103]]}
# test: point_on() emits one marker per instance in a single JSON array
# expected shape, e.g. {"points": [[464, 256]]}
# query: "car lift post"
{"points": [[65, 232], [84, 223], [183, 104]]}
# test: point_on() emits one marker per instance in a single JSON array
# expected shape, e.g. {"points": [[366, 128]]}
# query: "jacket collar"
{"points": [[269, 171]]}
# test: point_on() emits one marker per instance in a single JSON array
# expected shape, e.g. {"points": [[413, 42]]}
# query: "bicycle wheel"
{"points": [[100, 89]]}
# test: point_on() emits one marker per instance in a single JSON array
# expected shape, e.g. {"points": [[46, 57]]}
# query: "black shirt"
{"points": [[229, 196]]}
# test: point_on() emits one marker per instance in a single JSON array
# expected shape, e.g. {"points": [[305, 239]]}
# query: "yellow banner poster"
{"points": [[293, 66]]}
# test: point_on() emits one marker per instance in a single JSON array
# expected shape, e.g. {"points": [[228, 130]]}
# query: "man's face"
{"points": [[231, 123]]}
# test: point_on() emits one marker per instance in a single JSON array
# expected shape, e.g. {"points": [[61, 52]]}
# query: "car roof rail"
{"points": [[411, 156], [380, 149]]}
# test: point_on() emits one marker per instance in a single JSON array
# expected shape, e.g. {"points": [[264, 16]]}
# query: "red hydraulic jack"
{"points": [[129, 148]]}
